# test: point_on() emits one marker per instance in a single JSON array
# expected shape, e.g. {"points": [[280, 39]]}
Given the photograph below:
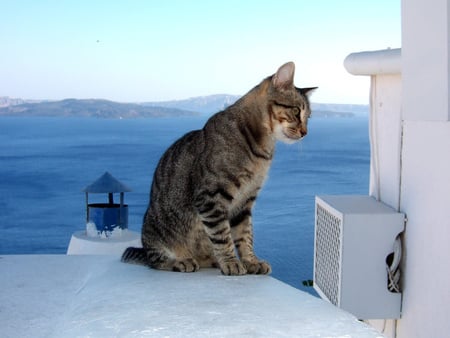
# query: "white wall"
{"points": [[425, 65], [385, 135], [425, 197], [425, 182]]}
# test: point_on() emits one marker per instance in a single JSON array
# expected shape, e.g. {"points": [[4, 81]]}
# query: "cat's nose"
{"points": [[303, 132]]}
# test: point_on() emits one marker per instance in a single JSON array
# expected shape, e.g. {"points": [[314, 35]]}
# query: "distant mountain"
{"points": [[214, 103], [205, 105], [91, 108], [6, 101], [333, 109]]}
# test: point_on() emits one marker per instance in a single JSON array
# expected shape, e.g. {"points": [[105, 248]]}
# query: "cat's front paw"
{"points": [[257, 267], [186, 265], [233, 267]]}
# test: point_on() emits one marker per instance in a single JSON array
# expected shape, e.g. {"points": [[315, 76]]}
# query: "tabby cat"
{"points": [[206, 183]]}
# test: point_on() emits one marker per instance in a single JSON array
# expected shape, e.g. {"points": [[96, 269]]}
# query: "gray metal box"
{"points": [[353, 237]]}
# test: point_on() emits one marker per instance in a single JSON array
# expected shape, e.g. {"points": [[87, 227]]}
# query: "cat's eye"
{"points": [[296, 111]]}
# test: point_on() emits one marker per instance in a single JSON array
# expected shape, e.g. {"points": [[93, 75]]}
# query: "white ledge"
{"points": [[98, 296], [386, 61]]}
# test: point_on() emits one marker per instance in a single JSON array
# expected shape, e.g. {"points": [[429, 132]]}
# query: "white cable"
{"points": [[393, 269], [373, 137]]}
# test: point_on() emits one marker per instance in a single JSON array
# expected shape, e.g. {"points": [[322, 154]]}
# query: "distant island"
{"points": [[99, 108], [90, 108]]}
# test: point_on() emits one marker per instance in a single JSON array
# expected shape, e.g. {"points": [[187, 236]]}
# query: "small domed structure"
{"points": [[107, 216]]}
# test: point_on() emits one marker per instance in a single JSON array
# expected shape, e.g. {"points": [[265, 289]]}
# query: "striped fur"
{"points": [[206, 183]]}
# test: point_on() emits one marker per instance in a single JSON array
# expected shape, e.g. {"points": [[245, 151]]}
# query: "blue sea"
{"points": [[46, 162]]}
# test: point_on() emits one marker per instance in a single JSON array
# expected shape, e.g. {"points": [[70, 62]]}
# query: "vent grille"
{"points": [[328, 254]]}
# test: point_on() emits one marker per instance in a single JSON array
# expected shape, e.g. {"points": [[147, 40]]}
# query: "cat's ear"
{"points": [[284, 77], [307, 91]]}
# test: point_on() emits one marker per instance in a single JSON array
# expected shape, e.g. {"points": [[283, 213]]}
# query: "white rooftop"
{"points": [[98, 296]]}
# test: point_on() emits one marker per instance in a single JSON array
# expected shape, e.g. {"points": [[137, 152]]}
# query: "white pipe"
{"points": [[387, 61]]}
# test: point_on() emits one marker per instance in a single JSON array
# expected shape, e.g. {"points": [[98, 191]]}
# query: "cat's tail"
{"points": [[134, 256]]}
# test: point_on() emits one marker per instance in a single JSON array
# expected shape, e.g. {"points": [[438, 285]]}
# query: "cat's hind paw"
{"points": [[186, 265], [258, 267]]}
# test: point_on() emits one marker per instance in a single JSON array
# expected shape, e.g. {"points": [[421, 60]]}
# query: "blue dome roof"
{"points": [[106, 184]]}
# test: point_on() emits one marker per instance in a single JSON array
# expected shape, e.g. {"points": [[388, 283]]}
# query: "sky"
{"points": [[157, 50]]}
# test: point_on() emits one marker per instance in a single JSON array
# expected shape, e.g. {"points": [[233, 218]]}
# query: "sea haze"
{"points": [[46, 162]]}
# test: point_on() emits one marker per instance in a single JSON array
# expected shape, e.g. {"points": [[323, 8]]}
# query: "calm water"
{"points": [[46, 162]]}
